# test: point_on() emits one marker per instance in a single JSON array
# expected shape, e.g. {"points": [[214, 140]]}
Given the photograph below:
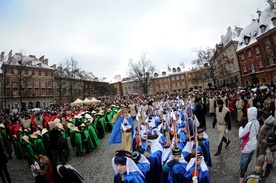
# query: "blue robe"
{"points": [[155, 166], [204, 177], [132, 177], [144, 168], [115, 136], [206, 151], [177, 173], [182, 136]]}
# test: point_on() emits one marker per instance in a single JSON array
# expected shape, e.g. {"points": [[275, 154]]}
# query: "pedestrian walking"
{"points": [[223, 121]]}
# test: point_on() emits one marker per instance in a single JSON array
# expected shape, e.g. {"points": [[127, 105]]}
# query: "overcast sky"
{"points": [[102, 35]]}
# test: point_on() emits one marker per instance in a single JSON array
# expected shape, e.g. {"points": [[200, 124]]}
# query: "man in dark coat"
{"points": [[4, 174]]}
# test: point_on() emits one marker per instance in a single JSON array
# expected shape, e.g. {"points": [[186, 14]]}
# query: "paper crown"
{"points": [[200, 130], [176, 151], [136, 156], [123, 153]]}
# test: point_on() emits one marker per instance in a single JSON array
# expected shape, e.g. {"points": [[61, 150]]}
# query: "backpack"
{"points": [[62, 144]]}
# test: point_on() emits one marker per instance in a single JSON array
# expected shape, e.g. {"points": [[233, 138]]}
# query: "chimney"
{"points": [[2, 56], [259, 14], [229, 29], [41, 58], [45, 61], [238, 30]]}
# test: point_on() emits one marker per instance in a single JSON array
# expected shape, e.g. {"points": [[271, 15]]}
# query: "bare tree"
{"points": [[61, 84], [204, 59], [72, 68], [142, 72]]}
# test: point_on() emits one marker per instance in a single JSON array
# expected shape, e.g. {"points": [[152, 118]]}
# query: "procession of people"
{"points": [[163, 137]]}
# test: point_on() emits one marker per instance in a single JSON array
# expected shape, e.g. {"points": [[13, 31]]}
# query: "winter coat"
{"points": [[249, 133]]}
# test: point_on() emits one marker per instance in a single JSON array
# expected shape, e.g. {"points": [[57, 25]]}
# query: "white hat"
{"points": [[60, 126], [70, 126], [26, 138], [44, 130], [82, 125], [2, 125], [76, 129]]}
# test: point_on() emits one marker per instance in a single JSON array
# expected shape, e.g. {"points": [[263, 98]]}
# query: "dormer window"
{"points": [[273, 19], [19, 62], [155, 75], [39, 65], [29, 63], [178, 69], [246, 39], [263, 28], [174, 70], [163, 73], [240, 43]]}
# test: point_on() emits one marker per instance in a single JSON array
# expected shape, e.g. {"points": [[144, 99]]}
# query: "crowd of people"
{"points": [[163, 136]]}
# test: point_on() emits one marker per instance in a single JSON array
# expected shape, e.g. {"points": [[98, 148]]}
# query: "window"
{"points": [[42, 83], [160, 80], [257, 50], [263, 80], [242, 56], [36, 73], [36, 92], [182, 76], [173, 78], [15, 71], [183, 83], [50, 91], [260, 64], [156, 87], [244, 68], [252, 67], [247, 40], [165, 79], [189, 76], [36, 83], [177, 77], [249, 53], [42, 73], [14, 92], [267, 43], [166, 87], [8, 71], [30, 92], [49, 84], [43, 92], [263, 28], [178, 83], [273, 19], [271, 59]]}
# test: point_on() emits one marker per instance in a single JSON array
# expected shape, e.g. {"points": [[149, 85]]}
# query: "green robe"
{"points": [[30, 153], [39, 147], [78, 143], [6, 141], [17, 149], [93, 135], [89, 140]]}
